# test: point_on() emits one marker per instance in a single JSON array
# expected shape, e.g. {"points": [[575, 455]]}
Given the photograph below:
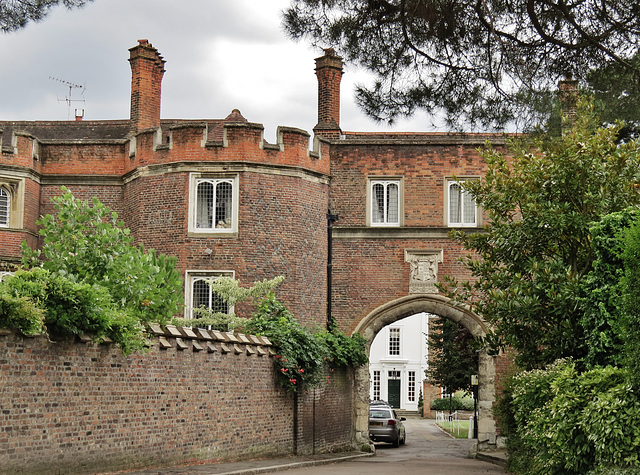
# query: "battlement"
{"points": [[109, 148]]}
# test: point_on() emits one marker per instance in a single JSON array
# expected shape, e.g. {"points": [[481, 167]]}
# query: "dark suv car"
{"points": [[386, 426]]}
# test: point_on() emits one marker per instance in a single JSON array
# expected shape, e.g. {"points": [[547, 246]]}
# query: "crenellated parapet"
{"points": [[229, 141], [18, 146]]}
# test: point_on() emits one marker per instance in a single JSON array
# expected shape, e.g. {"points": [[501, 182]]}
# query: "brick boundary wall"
{"points": [[77, 407]]}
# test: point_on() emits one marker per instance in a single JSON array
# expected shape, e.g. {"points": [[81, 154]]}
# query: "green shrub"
{"points": [[20, 313], [604, 319], [89, 277], [343, 350], [612, 423], [64, 308], [86, 242], [615, 471], [461, 401], [631, 330], [569, 422]]}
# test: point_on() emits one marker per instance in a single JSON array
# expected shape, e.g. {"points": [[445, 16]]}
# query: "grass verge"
{"points": [[458, 429]]}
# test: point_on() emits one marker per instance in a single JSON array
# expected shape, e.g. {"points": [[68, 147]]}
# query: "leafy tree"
{"points": [[231, 293], [89, 277], [603, 290], [453, 356], [87, 243], [617, 95], [486, 62], [541, 197], [15, 14]]}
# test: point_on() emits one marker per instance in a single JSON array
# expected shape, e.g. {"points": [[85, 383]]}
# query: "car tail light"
{"points": [[391, 422]]}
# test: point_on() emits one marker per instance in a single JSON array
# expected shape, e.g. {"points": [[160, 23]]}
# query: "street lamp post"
{"points": [[474, 384]]}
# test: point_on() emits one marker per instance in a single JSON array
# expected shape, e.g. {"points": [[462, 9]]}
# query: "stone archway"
{"points": [[403, 307]]}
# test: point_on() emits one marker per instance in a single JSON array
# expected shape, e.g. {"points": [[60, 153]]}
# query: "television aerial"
{"points": [[69, 98]]}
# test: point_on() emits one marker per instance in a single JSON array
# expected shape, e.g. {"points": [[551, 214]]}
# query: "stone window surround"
{"points": [[448, 181], [194, 179], [371, 180], [15, 187], [190, 276]]}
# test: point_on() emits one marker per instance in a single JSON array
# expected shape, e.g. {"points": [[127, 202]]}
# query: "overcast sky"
{"points": [[221, 55]]}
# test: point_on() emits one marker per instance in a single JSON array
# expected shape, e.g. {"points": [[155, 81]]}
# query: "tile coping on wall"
{"points": [[197, 339]]}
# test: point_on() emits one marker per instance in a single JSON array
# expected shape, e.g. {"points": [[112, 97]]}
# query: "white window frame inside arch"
{"points": [[395, 342], [462, 210], [198, 289], [213, 207], [12, 198], [5, 207], [376, 385]]}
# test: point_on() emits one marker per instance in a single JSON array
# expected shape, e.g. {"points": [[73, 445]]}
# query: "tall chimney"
{"points": [[147, 69], [568, 96], [329, 72]]}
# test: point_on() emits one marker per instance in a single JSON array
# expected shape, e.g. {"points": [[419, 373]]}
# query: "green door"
{"points": [[393, 386]]}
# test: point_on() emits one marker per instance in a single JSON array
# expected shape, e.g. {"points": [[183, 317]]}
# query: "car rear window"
{"points": [[379, 414]]}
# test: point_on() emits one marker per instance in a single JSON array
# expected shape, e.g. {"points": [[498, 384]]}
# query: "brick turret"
{"points": [[329, 72], [147, 69]]}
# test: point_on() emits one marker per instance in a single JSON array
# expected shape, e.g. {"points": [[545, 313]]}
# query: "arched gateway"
{"points": [[435, 304]]}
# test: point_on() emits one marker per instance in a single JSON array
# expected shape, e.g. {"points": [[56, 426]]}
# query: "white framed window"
{"points": [[376, 385], [198, 293], [213, 204], [461, 207], [394, 342], [411, 390], [385, 202], [5, 207], [11, 201]]}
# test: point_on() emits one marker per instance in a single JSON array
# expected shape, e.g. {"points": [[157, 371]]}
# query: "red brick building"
{"points": [[221, 199]]}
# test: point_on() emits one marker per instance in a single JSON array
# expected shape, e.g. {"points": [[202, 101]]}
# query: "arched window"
{"points": [[5, 207]]}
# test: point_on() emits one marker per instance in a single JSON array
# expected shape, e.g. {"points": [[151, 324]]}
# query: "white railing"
{"points": [[456, 423]]}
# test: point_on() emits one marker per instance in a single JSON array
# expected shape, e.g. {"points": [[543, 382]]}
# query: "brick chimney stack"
{"points": [[568, 95], [147, 69], [329, 72]]}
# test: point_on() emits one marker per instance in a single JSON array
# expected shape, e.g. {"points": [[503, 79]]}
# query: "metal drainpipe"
{"points": [[331, 218], [295, 423]]}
